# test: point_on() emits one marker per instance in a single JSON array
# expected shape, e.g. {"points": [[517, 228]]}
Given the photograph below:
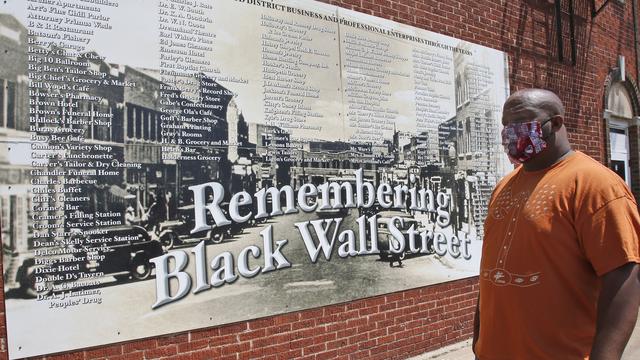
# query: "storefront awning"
{"points": [[119, 192]]}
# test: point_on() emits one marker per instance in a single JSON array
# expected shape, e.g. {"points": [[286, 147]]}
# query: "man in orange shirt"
{"points": [[559, 275]]}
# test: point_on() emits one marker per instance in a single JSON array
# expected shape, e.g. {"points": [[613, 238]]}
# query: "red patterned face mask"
{"points": [[523, 141]]}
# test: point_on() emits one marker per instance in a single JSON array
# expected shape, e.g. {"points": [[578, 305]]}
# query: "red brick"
{"points": [[332, 310], [336, 344], [138, 355], [250, 335], [68, 356], [356, 322], [366, 344], [347, 350], [223, 340], [301, 343], [388, 306], [367, 311], [104, 352], [343, 334], [327, 319], [363, 354], [274, 330], [324, 338], [373, 302], [235, 348], [204, 334], [193, 345], [303, 324], [308, 357], [205, 354], [139, 345], [356, 305], [393, 297], [293, 354], [261, 323], [336, 326], [161, 352], [252, 354], [229, 357], [306, 333], [276, 349], [286, 319], [233, 329], [377, 317], [311, 314], [314, 349], [377, 333], [357, 338], [173, 339], [386, 339], [327, 355]]}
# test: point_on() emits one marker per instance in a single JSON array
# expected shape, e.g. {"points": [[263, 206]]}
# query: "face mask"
{"points": [[523, 141]]}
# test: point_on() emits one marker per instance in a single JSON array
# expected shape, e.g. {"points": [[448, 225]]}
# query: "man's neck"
{"points": [[551, 159]]}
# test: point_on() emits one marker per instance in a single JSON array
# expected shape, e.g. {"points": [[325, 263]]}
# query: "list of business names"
{"points": [[70, 121]]}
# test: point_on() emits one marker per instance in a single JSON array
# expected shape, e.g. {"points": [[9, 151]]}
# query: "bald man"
{"points": [[559, 271]]}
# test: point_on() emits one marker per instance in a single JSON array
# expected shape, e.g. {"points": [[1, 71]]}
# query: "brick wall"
{"points": [[408, 323], [389, 326]]}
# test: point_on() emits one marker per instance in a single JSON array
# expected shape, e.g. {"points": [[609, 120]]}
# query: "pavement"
{"points": [[462, 350], [458, 351]]}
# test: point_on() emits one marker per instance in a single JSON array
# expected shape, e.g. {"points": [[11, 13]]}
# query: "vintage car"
{"points": [[121, 251], [386, 240], [176, 232]]}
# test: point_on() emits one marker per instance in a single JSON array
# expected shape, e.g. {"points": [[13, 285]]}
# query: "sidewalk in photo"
{"points": [[462, 350]]}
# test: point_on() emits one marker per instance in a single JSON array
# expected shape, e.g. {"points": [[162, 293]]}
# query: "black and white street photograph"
{"points": [[235, 167]]}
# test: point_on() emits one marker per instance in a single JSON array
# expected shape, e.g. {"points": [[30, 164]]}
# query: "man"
{"points": [[129, 216], [559, 271], [157, 212]]}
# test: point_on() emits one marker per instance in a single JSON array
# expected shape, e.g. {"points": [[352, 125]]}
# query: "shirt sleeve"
{"points": [[611, 238]]}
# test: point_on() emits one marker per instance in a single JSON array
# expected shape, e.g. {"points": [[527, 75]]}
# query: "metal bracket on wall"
{"points": [[559, 30], [572, 34], [595, 12]]}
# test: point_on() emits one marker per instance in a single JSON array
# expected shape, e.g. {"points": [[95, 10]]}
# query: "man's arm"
{"points": [[476, 325], [617, 311]]}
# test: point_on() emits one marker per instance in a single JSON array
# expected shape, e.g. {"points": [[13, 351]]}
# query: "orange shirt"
{"points": [[549, 235]]}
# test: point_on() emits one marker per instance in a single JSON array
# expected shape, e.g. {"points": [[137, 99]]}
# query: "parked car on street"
{"points": [[177, 232]]}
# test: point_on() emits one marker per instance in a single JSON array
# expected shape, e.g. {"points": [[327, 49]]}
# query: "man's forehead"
{"points": [[515, 111], [516, 105]]}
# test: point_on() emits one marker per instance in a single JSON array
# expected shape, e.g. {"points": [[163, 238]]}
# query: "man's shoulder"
{"points": [[594, 180], [582, 160], [589, 171]]}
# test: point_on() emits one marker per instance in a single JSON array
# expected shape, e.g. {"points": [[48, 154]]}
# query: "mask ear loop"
{"points": [[543, 124]]}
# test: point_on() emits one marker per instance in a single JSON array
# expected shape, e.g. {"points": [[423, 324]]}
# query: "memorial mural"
{"points": [[168, 165]]}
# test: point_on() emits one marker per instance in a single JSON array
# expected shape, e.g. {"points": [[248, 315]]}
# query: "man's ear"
{"points": [[557, 121]]}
